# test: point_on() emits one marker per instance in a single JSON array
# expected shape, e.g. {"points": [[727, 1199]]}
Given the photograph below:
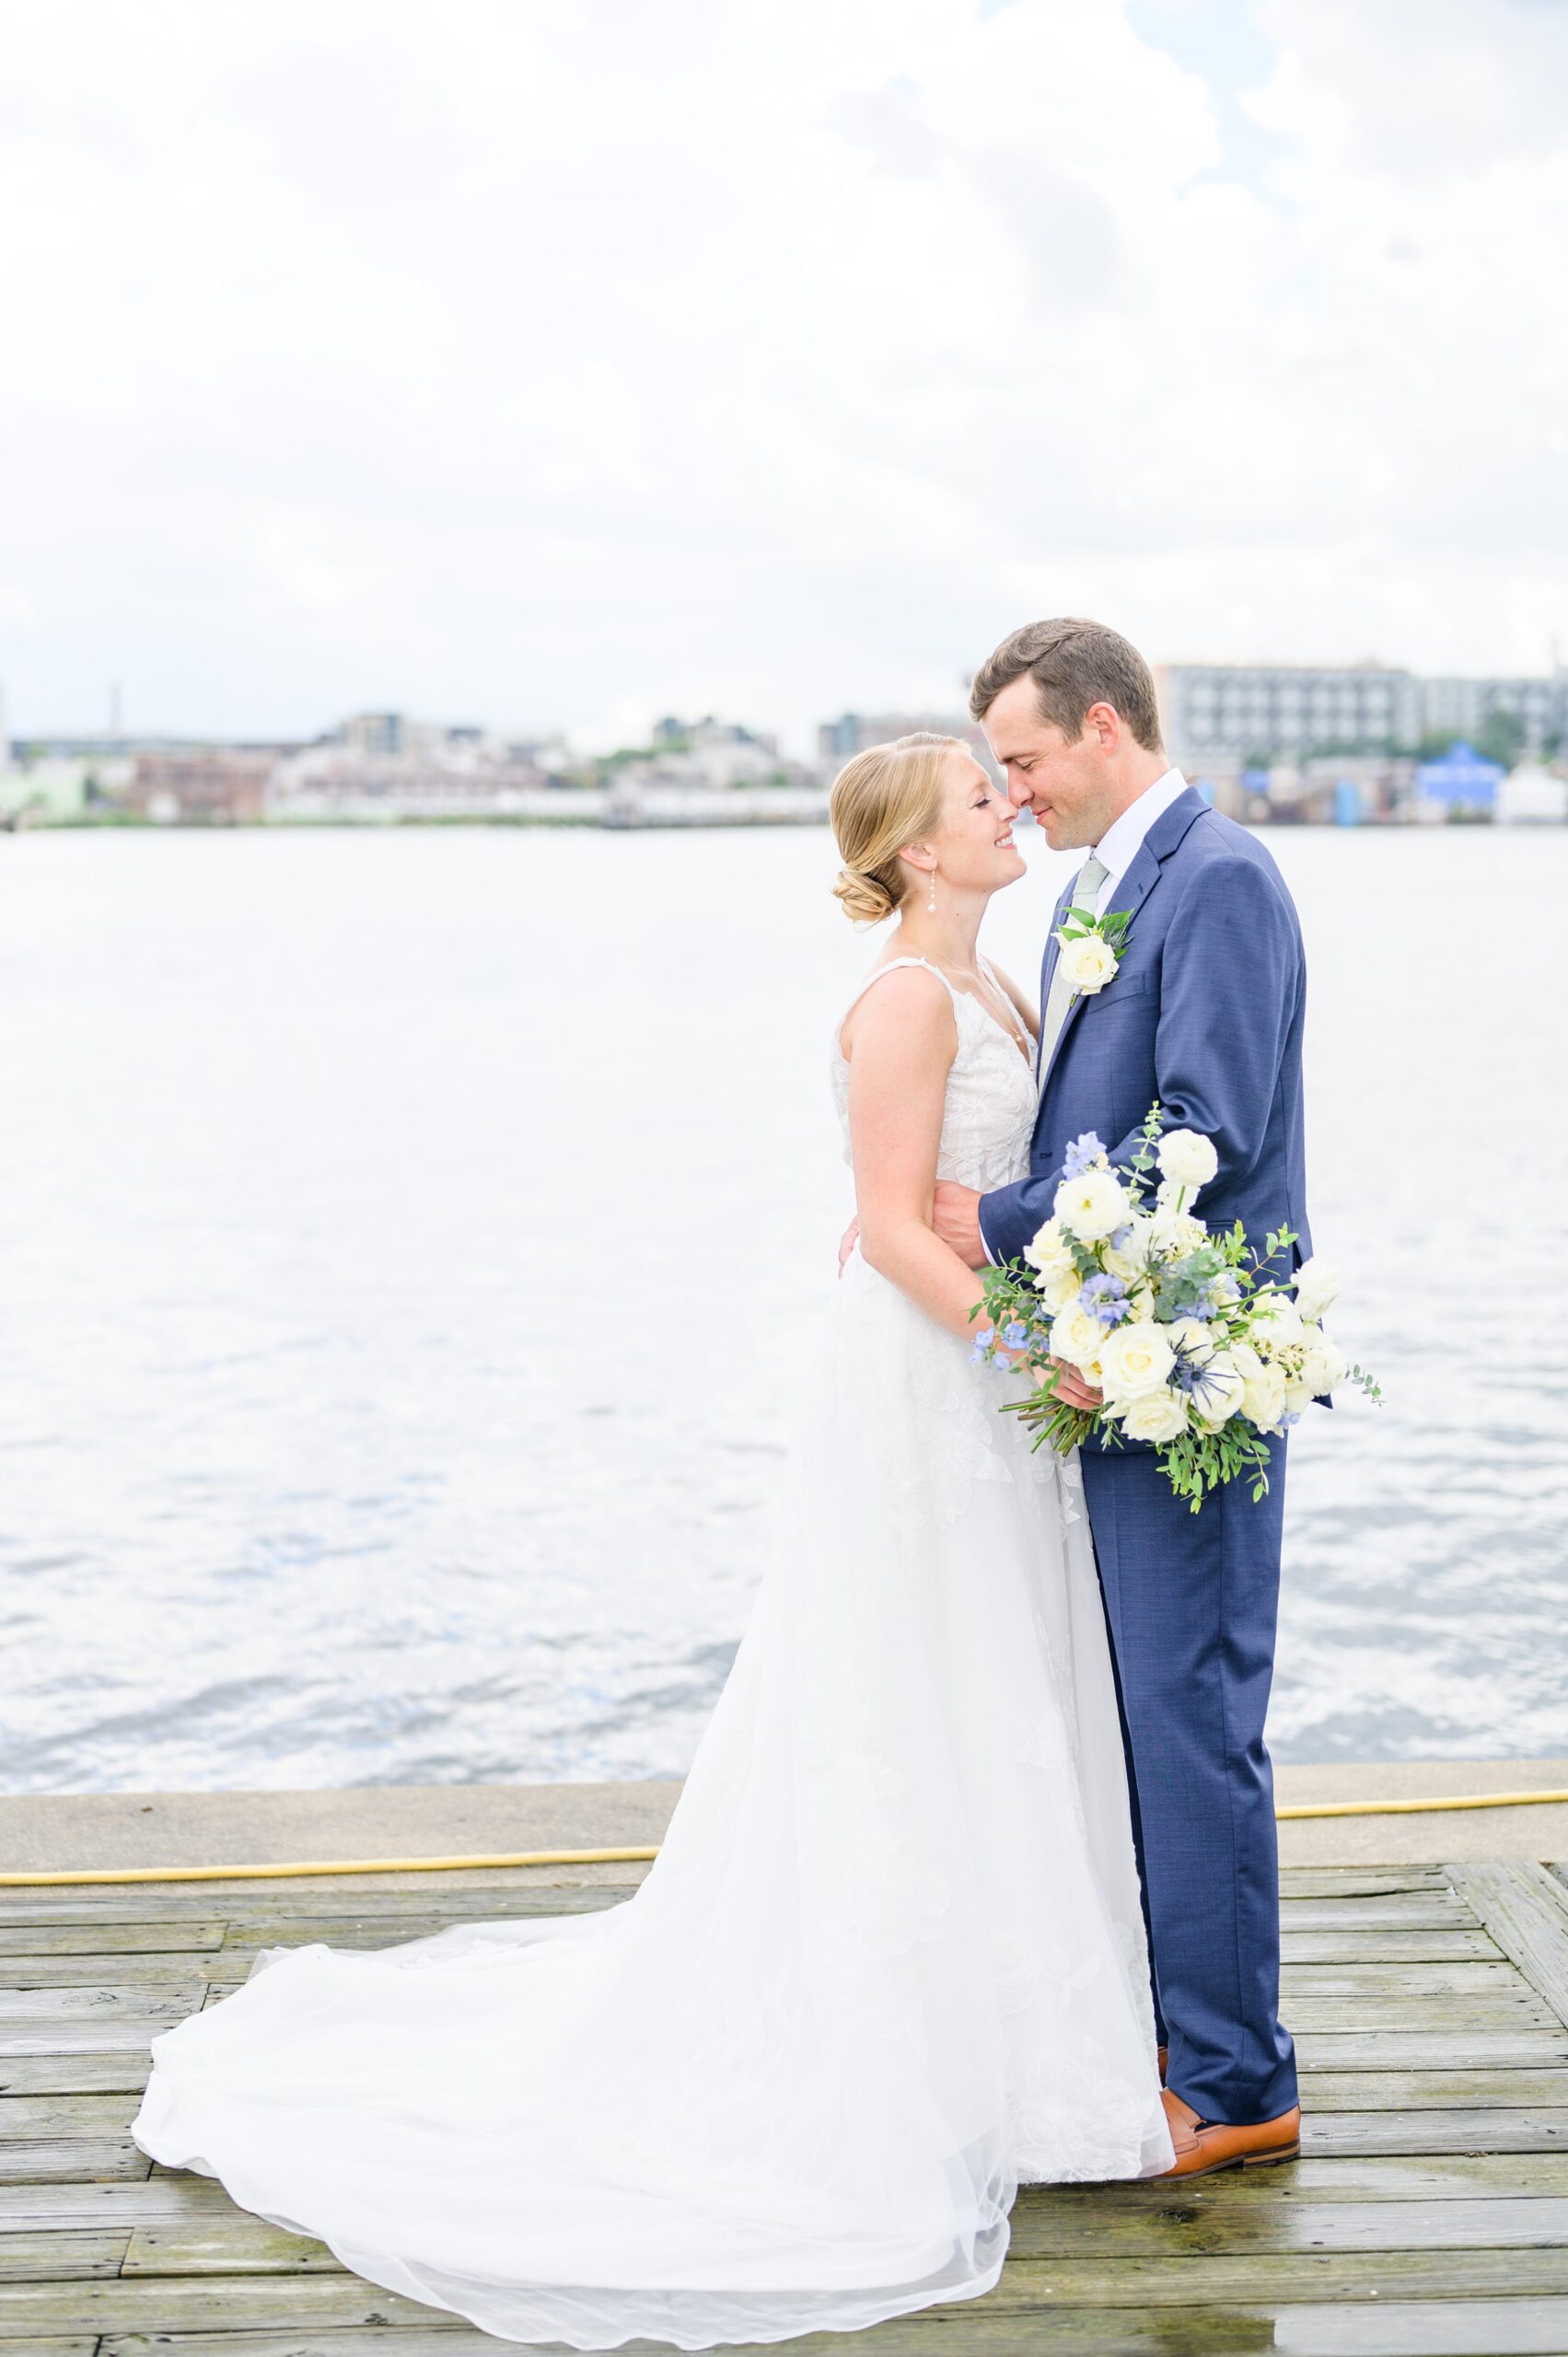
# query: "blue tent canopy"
{"points": [[1461, 775]]}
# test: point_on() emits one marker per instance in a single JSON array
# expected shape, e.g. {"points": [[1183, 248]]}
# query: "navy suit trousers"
{"points": [[1191, 1602]]}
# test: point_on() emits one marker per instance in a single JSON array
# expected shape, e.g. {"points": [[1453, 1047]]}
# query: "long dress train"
{"points": [[890, 1963]]}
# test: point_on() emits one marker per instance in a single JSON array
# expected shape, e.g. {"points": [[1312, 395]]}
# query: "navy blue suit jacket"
{"points": [[1205, 1014]]}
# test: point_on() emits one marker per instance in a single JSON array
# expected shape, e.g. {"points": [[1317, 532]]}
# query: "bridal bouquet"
{"points": [[1195, 1344]]}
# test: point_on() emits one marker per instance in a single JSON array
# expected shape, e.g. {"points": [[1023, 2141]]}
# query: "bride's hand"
{"points": [[1071, 1388]]}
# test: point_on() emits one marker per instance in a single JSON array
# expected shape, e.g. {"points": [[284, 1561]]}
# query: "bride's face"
{"points": [[974, 845]]}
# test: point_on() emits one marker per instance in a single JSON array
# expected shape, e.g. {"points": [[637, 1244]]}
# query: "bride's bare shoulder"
{"points": [[903, 1007]]}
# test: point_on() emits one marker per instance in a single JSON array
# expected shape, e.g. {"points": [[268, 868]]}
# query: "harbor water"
{"points": [[413, 1239]]}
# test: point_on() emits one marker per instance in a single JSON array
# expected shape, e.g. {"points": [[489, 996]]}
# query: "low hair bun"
{"points": [[864, 899], [886, 797]]}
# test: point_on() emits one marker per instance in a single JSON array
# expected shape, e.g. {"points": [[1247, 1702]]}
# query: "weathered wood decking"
{"points": [[1429, 2212]]}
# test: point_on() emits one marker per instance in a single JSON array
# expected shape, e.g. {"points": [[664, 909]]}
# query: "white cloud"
{"points": [[572, 362]]}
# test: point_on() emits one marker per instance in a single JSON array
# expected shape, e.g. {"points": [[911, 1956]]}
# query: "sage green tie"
{"points": [[1086, 895]]}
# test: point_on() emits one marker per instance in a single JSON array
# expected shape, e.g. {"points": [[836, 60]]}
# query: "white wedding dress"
{"points": [[889, 1962]]}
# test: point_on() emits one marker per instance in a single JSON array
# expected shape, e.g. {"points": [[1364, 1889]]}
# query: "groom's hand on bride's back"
{"points": [[955, 1218]]}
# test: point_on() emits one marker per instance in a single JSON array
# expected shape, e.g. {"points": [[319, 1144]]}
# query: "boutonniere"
{"points": [[1092, 949]]}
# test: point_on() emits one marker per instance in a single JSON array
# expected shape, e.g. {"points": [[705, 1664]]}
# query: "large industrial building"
{"points": [[1239, 712]]}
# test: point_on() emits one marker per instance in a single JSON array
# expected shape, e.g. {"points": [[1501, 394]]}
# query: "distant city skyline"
{"points": [[559, 365]]}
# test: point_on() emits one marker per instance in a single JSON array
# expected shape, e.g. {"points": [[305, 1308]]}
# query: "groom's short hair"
{"points": [[1074, 664]]}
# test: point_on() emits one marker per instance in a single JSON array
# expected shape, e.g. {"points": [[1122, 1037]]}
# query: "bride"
{"points": [[891, 1961]]}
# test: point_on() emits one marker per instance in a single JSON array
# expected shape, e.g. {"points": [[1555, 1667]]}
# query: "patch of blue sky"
{"points": [[1225, 45]]}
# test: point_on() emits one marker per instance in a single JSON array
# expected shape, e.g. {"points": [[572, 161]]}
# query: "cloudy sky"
{"points": [[567, 362]]}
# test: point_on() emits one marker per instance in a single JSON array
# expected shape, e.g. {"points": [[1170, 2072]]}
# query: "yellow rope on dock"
{"points": [[334, 1866], [1407, 1808], [645, 1856]]}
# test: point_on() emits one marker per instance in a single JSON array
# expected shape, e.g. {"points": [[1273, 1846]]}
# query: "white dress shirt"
{"points": [[1118, 846]]}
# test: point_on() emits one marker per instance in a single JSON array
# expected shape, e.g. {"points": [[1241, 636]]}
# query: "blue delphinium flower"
{"points": [[1016, 1335], [985, 1338], [1081, 1155], [1105, 1297]]}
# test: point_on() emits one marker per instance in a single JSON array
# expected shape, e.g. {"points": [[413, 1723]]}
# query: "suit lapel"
{"points": [[1142, 875]]}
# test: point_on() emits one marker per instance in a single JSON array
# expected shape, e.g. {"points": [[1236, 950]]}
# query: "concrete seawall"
{"points": [[61, 1832]]}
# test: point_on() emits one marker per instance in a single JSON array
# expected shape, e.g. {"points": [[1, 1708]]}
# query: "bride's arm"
{"points": [[901, 1041]]}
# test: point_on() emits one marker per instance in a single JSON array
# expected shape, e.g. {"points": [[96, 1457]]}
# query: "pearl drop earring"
{"points": [[931, 904]]}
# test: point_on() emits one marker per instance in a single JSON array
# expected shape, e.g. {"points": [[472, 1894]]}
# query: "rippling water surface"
{"points": [[410, 1241]]}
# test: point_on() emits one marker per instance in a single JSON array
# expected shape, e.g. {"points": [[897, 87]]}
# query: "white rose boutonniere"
{"points": [[1092, 949]]}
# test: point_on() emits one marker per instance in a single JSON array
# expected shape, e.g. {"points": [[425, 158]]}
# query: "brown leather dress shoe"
{"points": [[1202, 2146]]}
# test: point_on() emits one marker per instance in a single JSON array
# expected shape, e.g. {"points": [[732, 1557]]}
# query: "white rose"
{"points": [[1140, 1307], [1323, 1368], [1262, 1395], [1317, 1286], [1191, 1336], [1276, 1325], [1130, 1257], [1088, 963], [1076, 1337], [1050, 1251], [1172, 1232], [1059, 1291], [1219, 1393], [1091, 1205], [1188, 1159], [1155, 1415], [1134, 1359]]}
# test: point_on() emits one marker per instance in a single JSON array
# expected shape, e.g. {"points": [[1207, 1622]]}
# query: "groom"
{"points": [[1204, 1013]]}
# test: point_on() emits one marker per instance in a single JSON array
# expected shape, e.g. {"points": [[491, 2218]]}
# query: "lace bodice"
{"points": [[990, 1112]]}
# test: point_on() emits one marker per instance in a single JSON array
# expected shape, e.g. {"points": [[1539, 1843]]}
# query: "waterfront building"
{"points": [[1259, 713], [853, 732], [202, 785], [1533, 713]]}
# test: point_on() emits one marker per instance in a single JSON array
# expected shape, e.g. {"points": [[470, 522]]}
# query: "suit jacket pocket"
{"points": [[1127, 990]]}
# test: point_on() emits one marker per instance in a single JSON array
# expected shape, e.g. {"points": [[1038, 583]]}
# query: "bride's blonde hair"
{"points": [[884, 798]]}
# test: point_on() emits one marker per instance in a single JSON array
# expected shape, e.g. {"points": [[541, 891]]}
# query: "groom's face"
{"points": [[1066, 784]]}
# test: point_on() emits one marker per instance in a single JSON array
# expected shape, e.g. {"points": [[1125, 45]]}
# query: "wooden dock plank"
{"points": [[43, 2159], [1417, 1910], [59, 2259], [201, 2303], [181, 1977], [1452, 1944], [1428, 2218], [1524, 1907], [23, 2116], [154, 1937], [73, 2073], [1428, 2090], [1290, 2276], [1389, 2328], [1522, 2130], [1476, 2050], [1047, 2230], [225, 2245]]}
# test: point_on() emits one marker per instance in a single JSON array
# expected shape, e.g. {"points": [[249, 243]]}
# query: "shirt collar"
{"points": [[1118, 847]]}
